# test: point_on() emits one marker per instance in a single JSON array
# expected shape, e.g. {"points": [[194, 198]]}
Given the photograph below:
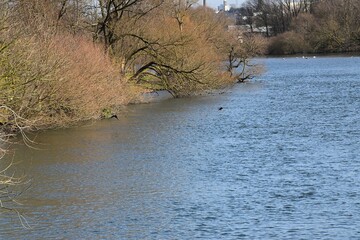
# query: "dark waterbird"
{"points": [[114, 116]]}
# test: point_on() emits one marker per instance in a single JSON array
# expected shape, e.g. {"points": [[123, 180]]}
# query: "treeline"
{"points": [[62, 61], [306, 26]]}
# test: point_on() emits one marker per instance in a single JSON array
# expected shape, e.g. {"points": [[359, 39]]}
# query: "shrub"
{"points": [[288, 43], [57, 80]]}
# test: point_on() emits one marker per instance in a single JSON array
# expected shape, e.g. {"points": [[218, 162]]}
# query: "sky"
{"points": [[215, 3]]}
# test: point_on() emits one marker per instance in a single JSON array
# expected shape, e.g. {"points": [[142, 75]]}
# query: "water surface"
{"points": [[279, 161]]}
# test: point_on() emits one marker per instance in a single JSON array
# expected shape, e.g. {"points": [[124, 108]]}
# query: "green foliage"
{"points": [[106, 113]]}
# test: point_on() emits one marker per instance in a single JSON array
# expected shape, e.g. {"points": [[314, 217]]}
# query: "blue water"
{"points": [[281, 160]]}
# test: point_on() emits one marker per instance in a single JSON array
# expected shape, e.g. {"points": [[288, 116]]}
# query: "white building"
{"points": [[224, 7]]}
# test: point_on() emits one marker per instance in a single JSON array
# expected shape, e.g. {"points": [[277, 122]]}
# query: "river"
{"points": [[281, 160]]}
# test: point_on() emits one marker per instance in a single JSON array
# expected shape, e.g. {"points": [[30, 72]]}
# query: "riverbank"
{"points": [[182, 169], [55, 73], [314, 54]]}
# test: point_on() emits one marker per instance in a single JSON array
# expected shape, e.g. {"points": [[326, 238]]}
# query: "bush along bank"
{"points": [[61, 63]]}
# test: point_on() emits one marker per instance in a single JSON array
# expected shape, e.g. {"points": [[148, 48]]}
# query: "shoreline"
{"points": [[340, 54]]}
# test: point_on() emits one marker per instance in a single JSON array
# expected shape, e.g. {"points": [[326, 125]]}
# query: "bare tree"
{"points": [[112, 13]]}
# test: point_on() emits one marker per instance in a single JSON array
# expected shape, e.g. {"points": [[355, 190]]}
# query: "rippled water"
{"points": [[281, 160]]}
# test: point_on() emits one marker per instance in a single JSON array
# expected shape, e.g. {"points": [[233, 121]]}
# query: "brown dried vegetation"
{"points": [[307, 26]]}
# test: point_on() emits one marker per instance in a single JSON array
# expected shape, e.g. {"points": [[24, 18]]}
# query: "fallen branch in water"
{"points": [[11, 186]]}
